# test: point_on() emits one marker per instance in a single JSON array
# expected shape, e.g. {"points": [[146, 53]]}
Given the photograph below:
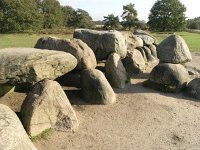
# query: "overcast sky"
{"points": [[99, 8]]}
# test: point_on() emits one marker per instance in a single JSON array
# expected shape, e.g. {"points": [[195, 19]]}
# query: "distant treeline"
{"points": [[193, 23], [35, 15]]}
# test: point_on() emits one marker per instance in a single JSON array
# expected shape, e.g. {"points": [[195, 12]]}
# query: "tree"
{"points": [[111, 22], [82, 19], [129, 16], [193, 23], [52, 14], [68, 13], [19, 15], [167, 15]]}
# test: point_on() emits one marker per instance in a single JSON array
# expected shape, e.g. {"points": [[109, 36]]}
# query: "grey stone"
{"points": [[12, 134], [147, 38], [80, 50], [29, 65], [46, 106], [95, 87], [115, 71], [103, 43], [174, 50], [134, 62], [153, 50], [168, 77], [150, 57], [193, 88]]}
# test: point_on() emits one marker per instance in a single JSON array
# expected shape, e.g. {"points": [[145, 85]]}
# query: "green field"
{"points": [[192, 39], [25, 40], [29, 40]]}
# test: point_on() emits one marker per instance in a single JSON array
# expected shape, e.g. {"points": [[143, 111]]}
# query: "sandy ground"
{"points": [[141, 119]]}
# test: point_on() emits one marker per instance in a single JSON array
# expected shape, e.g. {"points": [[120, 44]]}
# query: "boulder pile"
{"points": [[170, 75]]}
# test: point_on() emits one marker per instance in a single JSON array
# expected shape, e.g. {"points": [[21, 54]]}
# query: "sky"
{"points": [[99, 8]]}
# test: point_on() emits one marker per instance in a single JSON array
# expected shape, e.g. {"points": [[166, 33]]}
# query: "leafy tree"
{"points": [[52, 14], [19, 15], [68, 13], [193, 23], [129, 16], [82, 19], [111, 22], [167, 15]]}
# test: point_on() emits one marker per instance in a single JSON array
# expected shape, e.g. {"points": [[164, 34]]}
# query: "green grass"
{"points": [[25, 40], [192, 39]]}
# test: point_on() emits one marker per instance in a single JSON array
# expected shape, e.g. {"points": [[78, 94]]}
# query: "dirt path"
{"points": [[141, 119]]}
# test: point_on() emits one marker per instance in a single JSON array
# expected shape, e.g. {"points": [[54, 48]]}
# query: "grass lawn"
{"points": [[25, 40], [192, 39]]}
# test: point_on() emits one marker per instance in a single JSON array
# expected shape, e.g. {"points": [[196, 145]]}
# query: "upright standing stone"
{"points": [[95, 87], [12, 134], [115, 71], [47, 106]]}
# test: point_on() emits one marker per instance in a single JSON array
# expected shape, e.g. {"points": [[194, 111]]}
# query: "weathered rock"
{"points": [[95, 87], [150, 57], [133, 41], [115, 71], [174, 50], [80, 50], [103, 43], [46, 106], [12, 134], [29, 65], [147, 38], [153, 50], [193, 88], [168, 77], [134, 62], [143, 53]]}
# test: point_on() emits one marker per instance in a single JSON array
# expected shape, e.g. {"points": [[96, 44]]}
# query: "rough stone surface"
{"points": [[115, 71], [153, 50], [193, 88], [174, 50], [12, 134], [168, 77], [143, 53], [95, 87], [147, 38], [150, 57], [103, 43], [80, 50], [134, 62], [47, 106], [29, 65], [133, 41]]}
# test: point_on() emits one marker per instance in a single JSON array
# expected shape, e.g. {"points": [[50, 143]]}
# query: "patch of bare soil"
{"points": [[141, 119]]}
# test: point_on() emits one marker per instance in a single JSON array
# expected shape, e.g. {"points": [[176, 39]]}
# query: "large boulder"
{"points": [[12, 134], [168, 77], [29, 65], [79, 49], [174, 50], [133, 41], [103, 43], [149, 55], [115, 71], [193, 88], [95, 87], [134, 62], [147, 38], [46, 106]]}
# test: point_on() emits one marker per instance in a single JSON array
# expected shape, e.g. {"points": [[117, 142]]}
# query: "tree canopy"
{"points": [[111, 22], [129, 16], [193, 23], [167, 15]]}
